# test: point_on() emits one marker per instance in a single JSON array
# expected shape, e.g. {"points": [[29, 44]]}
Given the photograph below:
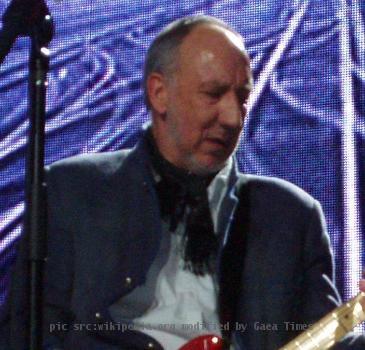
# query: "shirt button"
{"points": [[98, 315], [150, 346], [128, 281]]}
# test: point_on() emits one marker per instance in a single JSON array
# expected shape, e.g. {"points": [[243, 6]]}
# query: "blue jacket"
{"points": [[104, 231]]}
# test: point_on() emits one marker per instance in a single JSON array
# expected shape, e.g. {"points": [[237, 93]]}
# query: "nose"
{"points": [[232, 112]]}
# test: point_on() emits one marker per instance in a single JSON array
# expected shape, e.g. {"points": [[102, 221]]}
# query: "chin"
{"points": [[206, 167]]}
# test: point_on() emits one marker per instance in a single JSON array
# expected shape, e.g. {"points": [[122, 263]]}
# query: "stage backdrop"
{"points": [[306, 120]]}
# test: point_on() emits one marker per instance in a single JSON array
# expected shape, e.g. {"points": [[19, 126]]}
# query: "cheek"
{"points": [[188, 126], [191, 121], [190, 135]]}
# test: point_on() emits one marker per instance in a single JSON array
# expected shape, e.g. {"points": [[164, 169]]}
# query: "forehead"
{"points": [[211, 52]]}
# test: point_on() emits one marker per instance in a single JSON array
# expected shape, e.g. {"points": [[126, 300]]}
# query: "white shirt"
{"points": [[185, 305]]}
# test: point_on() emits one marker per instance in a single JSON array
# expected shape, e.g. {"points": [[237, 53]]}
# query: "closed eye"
{"points": [[215, 93]]}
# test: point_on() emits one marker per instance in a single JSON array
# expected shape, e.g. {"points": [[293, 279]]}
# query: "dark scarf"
{"points": [[177, 190]]}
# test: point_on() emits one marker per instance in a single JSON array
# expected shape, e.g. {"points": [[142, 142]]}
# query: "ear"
{"points": [[157, 92]]}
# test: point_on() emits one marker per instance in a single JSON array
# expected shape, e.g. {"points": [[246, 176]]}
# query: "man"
{"points": [[169, 234]]}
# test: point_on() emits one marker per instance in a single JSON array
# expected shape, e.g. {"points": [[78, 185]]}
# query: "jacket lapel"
{"points": [[231, 255], [137, 218]]}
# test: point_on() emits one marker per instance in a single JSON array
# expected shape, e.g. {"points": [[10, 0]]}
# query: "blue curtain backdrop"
{"points": [[306, 120]]}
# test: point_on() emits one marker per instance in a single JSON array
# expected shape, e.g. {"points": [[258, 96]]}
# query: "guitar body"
{"points": [[204, 342]]}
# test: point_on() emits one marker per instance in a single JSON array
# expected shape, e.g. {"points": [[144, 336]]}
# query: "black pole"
{"points": [[31, 18], [36, 206]]}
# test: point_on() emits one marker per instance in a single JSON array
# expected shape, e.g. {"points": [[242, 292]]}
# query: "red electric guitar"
{"points": [[322, 335], [204, 342]]}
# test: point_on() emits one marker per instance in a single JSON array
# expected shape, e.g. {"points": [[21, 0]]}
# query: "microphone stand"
{"points": [[31, 18]]}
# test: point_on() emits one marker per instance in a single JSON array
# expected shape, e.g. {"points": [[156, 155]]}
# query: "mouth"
{"points": [[219, 142]]}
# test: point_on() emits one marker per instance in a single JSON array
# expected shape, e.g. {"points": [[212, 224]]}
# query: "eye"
{"points": [[214, 94]]}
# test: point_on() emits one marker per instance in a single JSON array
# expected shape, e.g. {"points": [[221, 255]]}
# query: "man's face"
{"points": [[205, 101]]}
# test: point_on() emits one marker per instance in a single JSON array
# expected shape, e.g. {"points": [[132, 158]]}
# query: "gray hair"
{"points": [[162, 54]]}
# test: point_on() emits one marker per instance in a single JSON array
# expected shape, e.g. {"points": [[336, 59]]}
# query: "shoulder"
{"points": [[277, 192], [105, 162], [78, 173], [268, 185], [87, 167], [78, 181]]}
